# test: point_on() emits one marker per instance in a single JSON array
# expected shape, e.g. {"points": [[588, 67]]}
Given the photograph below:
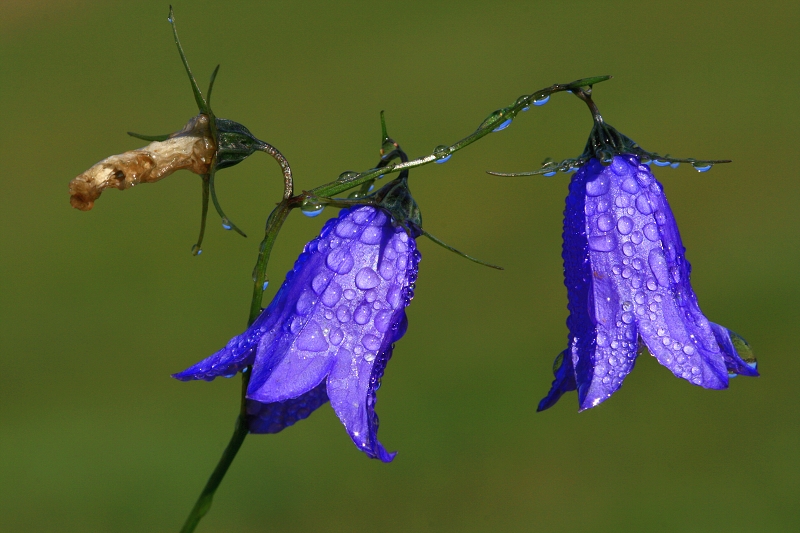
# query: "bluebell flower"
{"points": [[330, 330], [627, 277], [628, 284]]}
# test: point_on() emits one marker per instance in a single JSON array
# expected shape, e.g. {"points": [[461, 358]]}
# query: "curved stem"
{"points": [[288, 185]]}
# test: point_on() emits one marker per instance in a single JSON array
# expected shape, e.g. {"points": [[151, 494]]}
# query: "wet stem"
{"points": [[240, 431], [203, 503]]}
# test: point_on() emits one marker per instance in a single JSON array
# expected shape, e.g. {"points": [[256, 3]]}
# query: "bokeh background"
{"points": [[99, 308]]}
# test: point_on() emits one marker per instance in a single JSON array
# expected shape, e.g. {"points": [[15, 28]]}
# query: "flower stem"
{"points": [[240, 431]]}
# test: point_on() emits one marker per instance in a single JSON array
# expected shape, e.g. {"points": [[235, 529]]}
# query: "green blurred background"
{"points": [[99, 308]]}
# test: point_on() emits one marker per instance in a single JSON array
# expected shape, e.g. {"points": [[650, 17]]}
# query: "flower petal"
{"points": [[273, 417], [736, 352], [378, 320], [608, 222], [564, 382], [670, 321]]}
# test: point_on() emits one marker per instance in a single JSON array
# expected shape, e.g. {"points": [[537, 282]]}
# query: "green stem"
{"points": [[486, 127], [240, 431]]}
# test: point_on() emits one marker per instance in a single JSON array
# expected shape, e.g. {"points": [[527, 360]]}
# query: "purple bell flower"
{"points": [[329, 331], [628, 284]]}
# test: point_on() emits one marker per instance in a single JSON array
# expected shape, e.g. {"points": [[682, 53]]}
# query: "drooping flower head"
{"points": [[628, 280], [330, 330]]}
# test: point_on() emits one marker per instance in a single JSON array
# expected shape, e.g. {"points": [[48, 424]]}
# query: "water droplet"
{"points": [[630, 186], [370, 357], [651, 232], [332, 294], [366, 278], [627, 317], [625, 225], [350, 294], [506, 123], [362, 314], [265, 285], [603, 205], [661, 218], [336, 337], [603, 243], [549, 174], [343, 314], [658, 265], [226, 224], [619, 166], [636, 237], [311, 338], [383, 320], [628, 249], [371, 342], [660, 163], [340, 260], [347, 175], [602, 338], [196, 250], [675, 165], [605, 223], [442, 154], [311, 209], [643, 204], [598, 186], [651, 285], [702, 167], [541, 101], [616, 270], [346, 230]]}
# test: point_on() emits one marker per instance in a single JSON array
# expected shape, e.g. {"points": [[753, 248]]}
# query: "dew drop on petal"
{"points": [[366, 278], [336, 336], [362, 314], [371, 235], [651, 232], [371, 342], [332, 294], [658, 265], [340, 261], [629, 185], [636, 237], [643, 204], [311, 338], [605, 222], [598, 186], [343, 314], [624, 225], [661, 218], [603, 243], [628, 249]]}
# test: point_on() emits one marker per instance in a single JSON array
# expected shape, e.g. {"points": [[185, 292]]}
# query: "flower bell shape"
{"points": [[628, 283], [329, 331]]}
